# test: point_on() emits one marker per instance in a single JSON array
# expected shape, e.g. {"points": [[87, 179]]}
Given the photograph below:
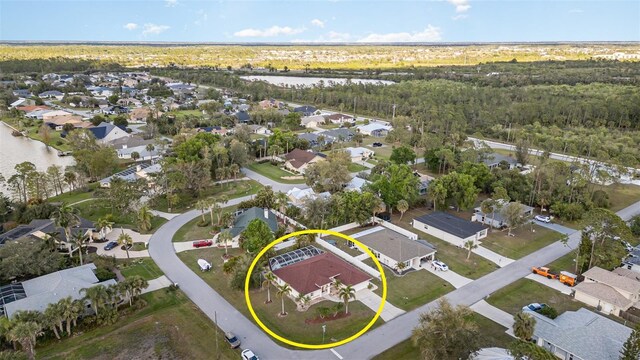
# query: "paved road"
{"points": [[265, 181]]}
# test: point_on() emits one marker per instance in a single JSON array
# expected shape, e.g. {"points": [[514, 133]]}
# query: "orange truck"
{"points": [[544, 271], [564, 277]]}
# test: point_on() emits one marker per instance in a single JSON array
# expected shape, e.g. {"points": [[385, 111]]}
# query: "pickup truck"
{"points": [[202, 243]]}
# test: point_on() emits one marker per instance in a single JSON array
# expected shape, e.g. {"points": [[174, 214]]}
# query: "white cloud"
{"points": [[461, 5], [131, 26], [170, 3], [153, 29], [460, 17], [430, 33], [317, 22], [331, 36], [575, 11], [270, 32]]}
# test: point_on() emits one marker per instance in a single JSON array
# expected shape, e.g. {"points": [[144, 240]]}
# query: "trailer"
{"points": [[568, 278]]}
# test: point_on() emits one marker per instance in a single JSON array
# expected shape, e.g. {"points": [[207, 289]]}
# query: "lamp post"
{"points": [[324, 330]]}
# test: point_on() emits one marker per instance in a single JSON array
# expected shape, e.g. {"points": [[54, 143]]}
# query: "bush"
{"points": [[549, 312], [104, 274], [202, 223], [634, 225], [600, 199], [567, 211], [9, 225]]}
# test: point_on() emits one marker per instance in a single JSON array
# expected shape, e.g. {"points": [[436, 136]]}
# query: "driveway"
{"points": [[556, 227], [265, 181], [117, 252], [372, 301], [491, 312], [498, 259], [554, 284], [449, 276]]}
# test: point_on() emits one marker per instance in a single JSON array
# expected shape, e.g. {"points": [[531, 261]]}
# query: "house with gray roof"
{"points": [[36, 294], [340, 134], [106, 132], [494, 160], [41, 228], [242, 220], [609, 292], [496, 218], [580, 335], [450, 228]]}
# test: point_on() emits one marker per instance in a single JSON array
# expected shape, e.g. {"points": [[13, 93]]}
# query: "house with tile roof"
{"points": [[580, 335], [298, 160], [607, 291], [450, 228]]}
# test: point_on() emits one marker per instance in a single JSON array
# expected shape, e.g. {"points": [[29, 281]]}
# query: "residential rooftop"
{"points": [[451, 224], [393, 244]]}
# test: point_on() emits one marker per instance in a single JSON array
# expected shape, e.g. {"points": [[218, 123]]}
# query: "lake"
{"points": [[14, 150], [309, 81]]}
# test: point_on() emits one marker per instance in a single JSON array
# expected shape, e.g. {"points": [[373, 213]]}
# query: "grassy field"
{"points": [[565, 263], [76, 195], [353, 167], [621, 196], [274, 173], [524, 291], [144, 267], [453, 256], [413, 289], [93, 210], [168, 327], [191, 231], [492, 334], [293, 325], [187, 201], [32, 128], [523, 243]]}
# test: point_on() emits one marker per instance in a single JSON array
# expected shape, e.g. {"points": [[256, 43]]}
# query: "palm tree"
{"points": [[305, 240], [269, 278], [303, 300], [400, 266], [226, 219], [126, 240], [150, 149], [214, 206], [470, 245], [347, 293], [53, 318], [202, 205], [25, 333], [224, 238], [78, 239], [138, 283], [135, 156], [524, 325], [378, 206], [144, 218], [235, 170], [67, 312], [281, 201], [283, 290], [402, 206], [66, 217], [51, 239], [97, 296], [104, 223], [172, 200]]}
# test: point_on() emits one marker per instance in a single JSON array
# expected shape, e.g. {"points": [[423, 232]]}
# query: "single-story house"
{"points": [[22, 93], [392, 248], [30, 108], [129, 102], [299, 196], [51, 94], [141, 114], [115, 110], [270, 104], [607, 291], [106, 132], [356, 184], [316, 276], [497, 218], [51, 114], [140, 171], [297, 160], [340, 118], [37, 114], [313, 139], [36, 294], [242, 116], [450, 228], [216, 130], [359, 154], [259, 129], [39, 228], [312, 121], [247, 216], [375, 129], [22, 102], [580, 335], [305, 110], [337, 135], [57, 123], [494, 160]]}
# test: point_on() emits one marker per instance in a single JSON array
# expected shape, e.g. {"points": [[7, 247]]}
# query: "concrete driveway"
{"points": [[372, 301], [117, 252], [554, 284], [276, 186], [556, 227], [489, 311], [449, 276]]}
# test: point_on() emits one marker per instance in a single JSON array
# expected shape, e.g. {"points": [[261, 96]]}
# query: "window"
{"points": [[426, 227]]}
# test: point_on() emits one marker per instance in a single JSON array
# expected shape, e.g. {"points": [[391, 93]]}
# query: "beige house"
{"points": [[298, 160], [60, 121], [51, 114], [141, 114], [608, 291]]}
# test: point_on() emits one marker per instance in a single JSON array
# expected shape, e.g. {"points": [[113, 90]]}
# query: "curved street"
{"points": [[370, 344]]}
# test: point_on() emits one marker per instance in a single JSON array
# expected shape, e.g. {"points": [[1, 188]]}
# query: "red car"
{"points": [[202, 243]]}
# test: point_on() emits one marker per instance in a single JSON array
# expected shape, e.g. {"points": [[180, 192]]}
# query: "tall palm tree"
{"points": [[214, 207], [224, 238], [78, 240], [150, 149], [138, 283], [347, 293], [226, 219], [126, 240], [281, 201], [524, 325], [51, 240], [144, 218], [283, 290], [67, 311], [26, 333], [269, 278], [66, 217], [97, 296], [402, 206], [202, 205], [103, 224], [54, 318], [470, 245]]}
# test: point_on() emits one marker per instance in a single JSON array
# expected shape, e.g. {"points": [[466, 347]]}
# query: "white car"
{"points": [[543, 218], [439, 265], [248, 355]]}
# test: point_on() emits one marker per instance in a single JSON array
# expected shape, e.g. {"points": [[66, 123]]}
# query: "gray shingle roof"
{"points": [[451, 224], [251, 214], [583, 333], [393, 244]]}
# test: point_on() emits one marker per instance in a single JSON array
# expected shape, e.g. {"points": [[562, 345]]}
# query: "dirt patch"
{"points": [[319, 320]]}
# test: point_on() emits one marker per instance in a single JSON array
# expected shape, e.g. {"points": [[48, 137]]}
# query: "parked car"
{"points": [[376, 144], [202, 243], [248, 355], [534, 307], [233, 340], [111, 245], [543, 218], [439, 265]]}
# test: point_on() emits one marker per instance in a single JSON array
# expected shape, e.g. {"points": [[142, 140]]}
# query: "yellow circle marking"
{"points": [[319, 346]]}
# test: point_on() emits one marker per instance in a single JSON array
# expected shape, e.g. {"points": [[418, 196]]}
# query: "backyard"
{"points": [[75, 196], [274, 173], [191, 231], [94, 210], [522, 243], [513, 297], [170, 326]]}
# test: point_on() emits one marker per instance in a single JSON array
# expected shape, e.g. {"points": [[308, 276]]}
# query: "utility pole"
{"points": [[393, 116], [355, 116]]}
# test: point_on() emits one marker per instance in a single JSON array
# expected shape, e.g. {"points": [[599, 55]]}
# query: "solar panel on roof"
{"points": [[292, 257]]}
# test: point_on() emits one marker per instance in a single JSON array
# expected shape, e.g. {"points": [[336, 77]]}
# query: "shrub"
{"points": [[634, 225], [549, 312], [567, 211], [202, 223], [104, 274], [600, 199]]}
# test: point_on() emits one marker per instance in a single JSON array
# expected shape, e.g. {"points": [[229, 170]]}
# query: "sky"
{"points": [[320, 21]]}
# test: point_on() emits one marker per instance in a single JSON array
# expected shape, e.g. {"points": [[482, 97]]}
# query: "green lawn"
{"points": [[621, 196], [524, 291], [342, 245], [492, 334], [76, 195], [565, 263], [453, 256], [274, 173], [187, 201], [191, 231], [144, 267], [293, 325], [413, 289], [93, 210], [353, 167], [523, 243], [170, 326]]}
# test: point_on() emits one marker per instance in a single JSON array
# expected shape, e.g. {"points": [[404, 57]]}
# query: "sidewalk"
{"points": [[492, 256], [449, 276], [157, 284]]}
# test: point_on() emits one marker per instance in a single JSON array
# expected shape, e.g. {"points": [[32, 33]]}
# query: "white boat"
{"points": [[204, 265]]}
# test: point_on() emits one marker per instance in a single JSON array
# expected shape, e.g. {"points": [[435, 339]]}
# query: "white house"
{"points": [[359, 154], [299, 196], [496, 217], [356, 184], [608, 291], [450, 228], [339, 118], [106, 132], [312, 121], [375, 129]]}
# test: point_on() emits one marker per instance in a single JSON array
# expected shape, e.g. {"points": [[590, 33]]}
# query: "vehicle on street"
{"points": [[232, 339], [376, 144], [543, 218], [202, 243], [111, 245], [439, 265], [248, 355], [534, 307]]}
